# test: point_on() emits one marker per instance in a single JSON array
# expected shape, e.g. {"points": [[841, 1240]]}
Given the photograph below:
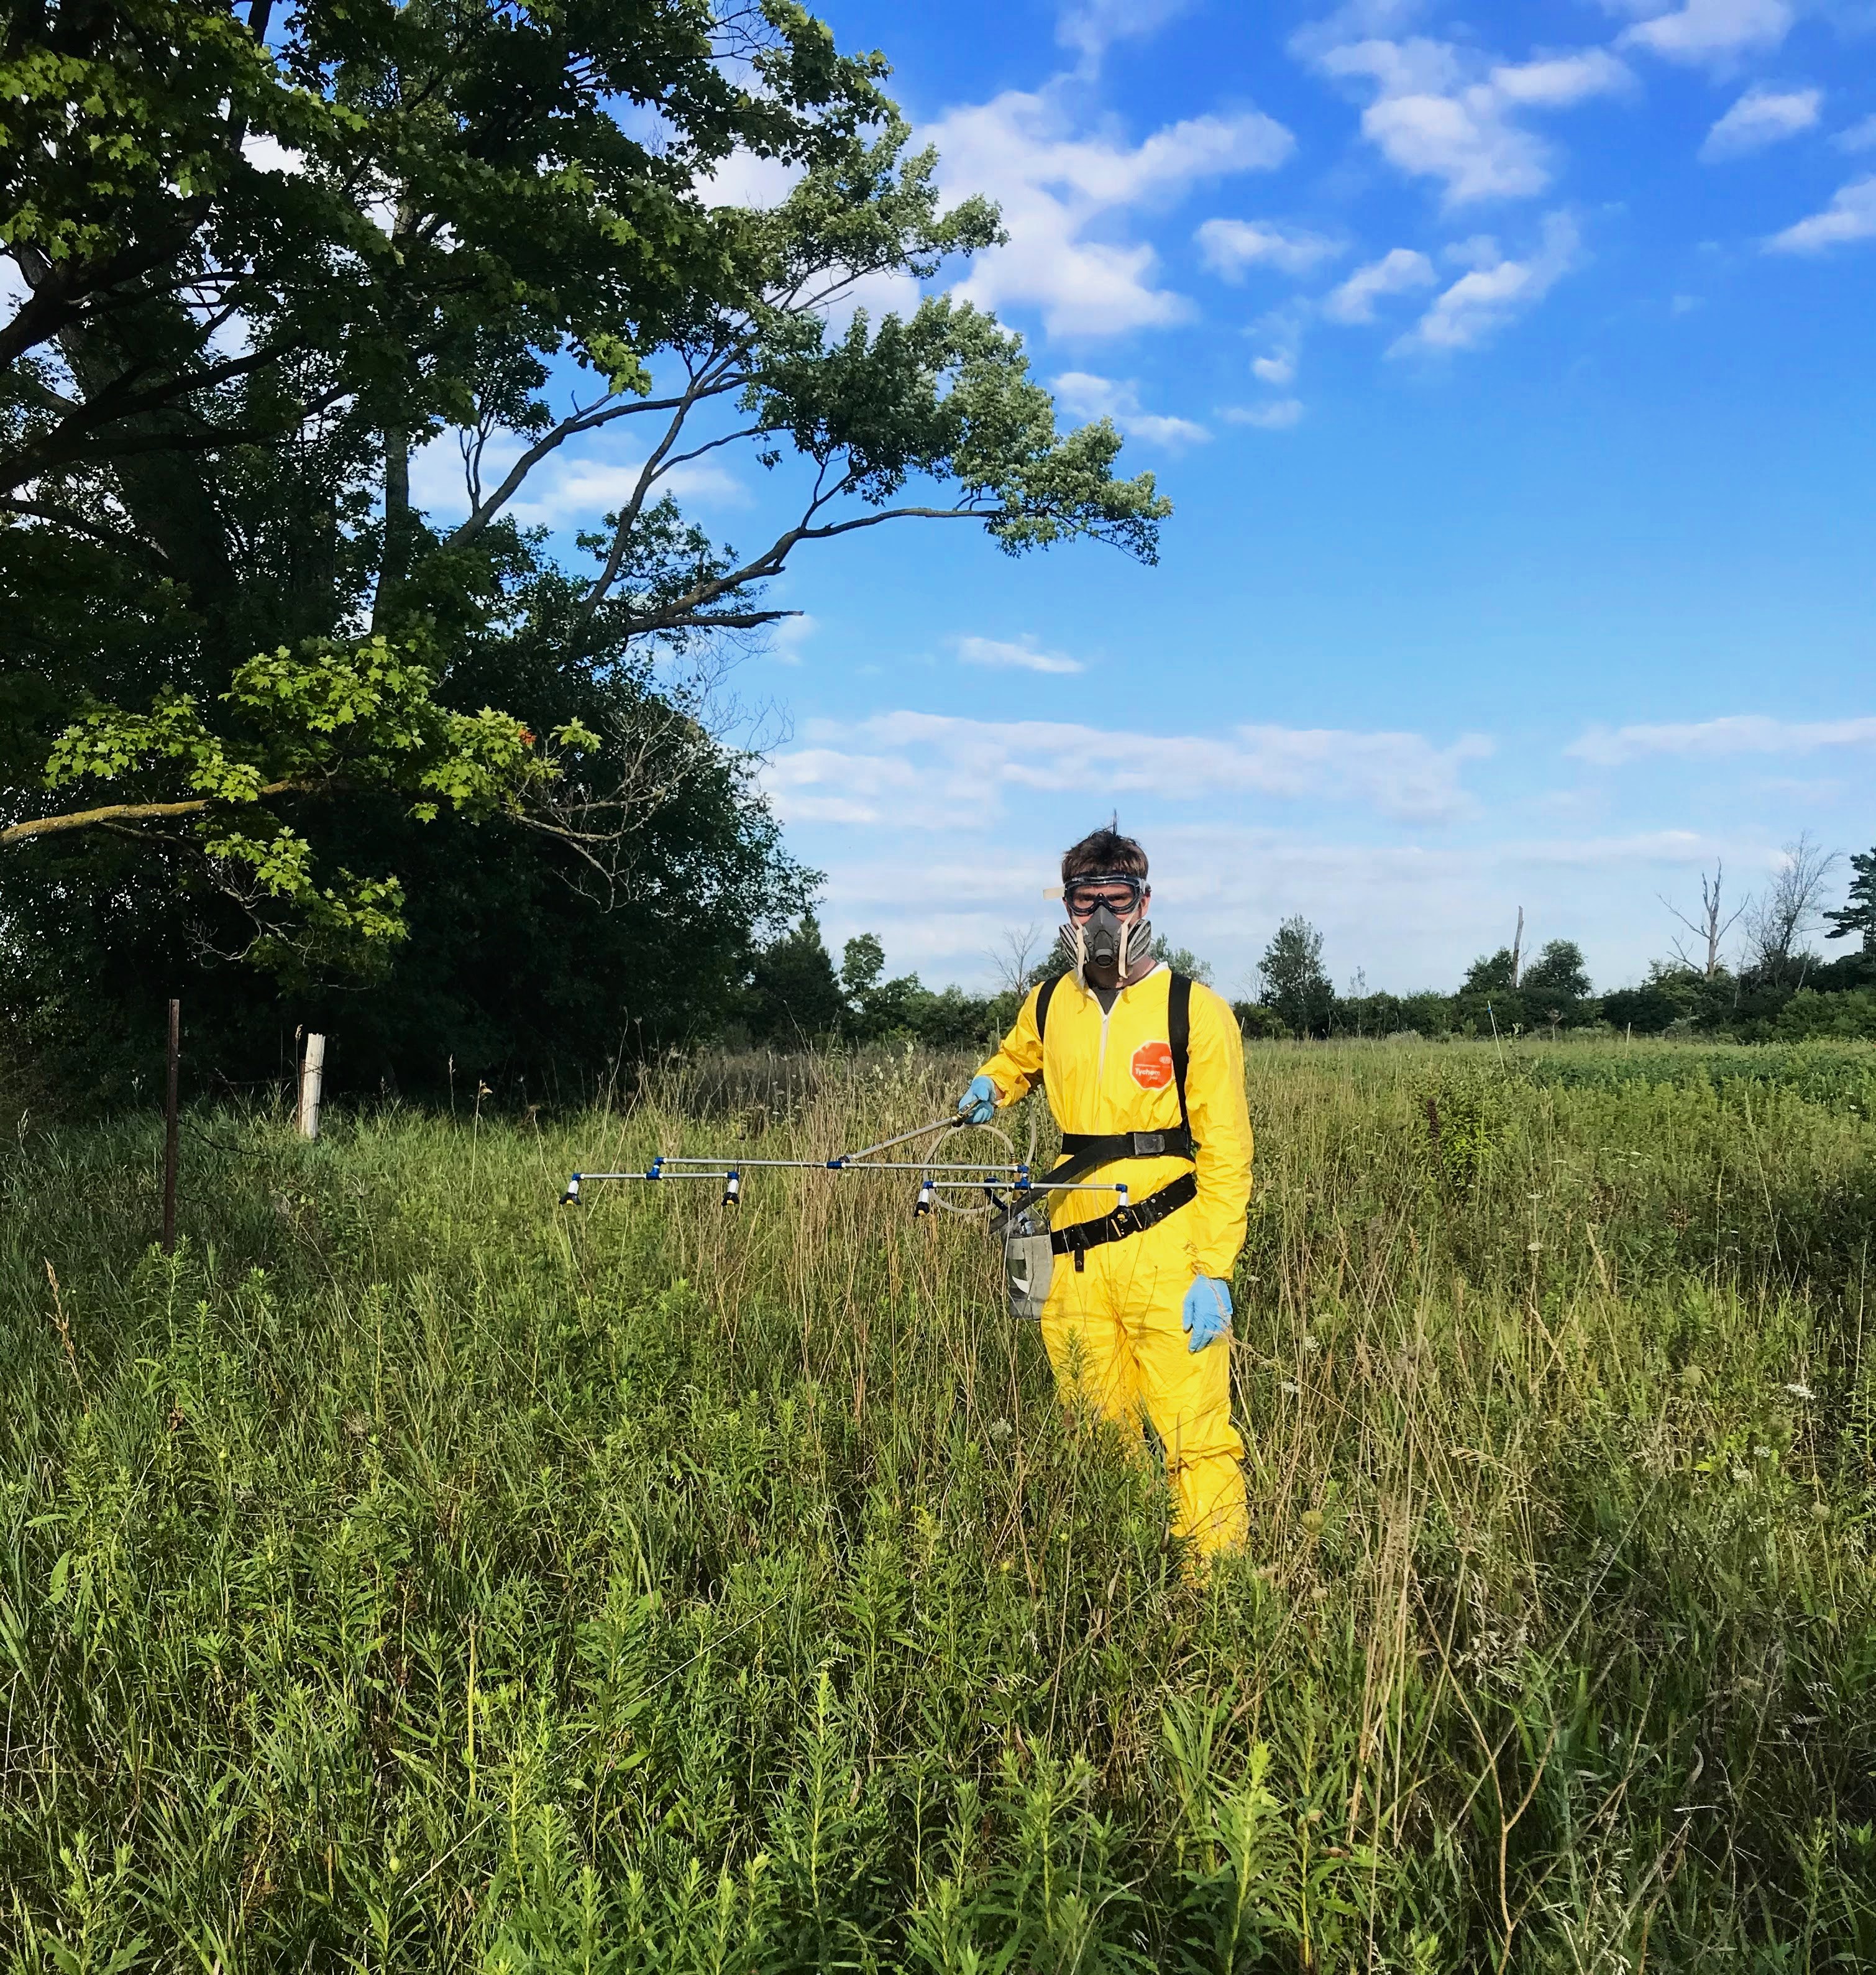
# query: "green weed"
{"points": [[410, 1575]]}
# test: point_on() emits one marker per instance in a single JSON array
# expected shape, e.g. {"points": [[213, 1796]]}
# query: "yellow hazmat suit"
{"points": [[1113, 1323]]}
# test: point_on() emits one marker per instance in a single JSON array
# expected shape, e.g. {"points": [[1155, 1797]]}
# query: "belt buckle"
{"points": [[1147, 1144]]}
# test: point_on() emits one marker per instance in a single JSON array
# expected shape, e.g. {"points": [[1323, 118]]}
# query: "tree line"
{"points": [[1778, 984], [796, 994]]}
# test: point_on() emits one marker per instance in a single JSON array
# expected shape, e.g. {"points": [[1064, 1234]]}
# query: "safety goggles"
{"points": [[1120, 892]]}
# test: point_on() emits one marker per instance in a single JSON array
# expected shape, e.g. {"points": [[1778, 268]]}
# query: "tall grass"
{"points": [[410, 1575]]}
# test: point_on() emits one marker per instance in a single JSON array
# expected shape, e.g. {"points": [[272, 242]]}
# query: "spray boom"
{"points": [[936, 1178]]}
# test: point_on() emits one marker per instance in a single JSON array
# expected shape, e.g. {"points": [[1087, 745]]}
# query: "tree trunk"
{"points": [[166, 494], [396, 557]]}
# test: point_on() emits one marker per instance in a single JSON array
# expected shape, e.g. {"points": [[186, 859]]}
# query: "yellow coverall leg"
{"points": [[1114, 1325]]}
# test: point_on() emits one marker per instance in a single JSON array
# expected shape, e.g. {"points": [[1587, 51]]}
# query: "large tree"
{"points": [[1856, 917], [261, 261], [1292, 983], [1555, 986]]}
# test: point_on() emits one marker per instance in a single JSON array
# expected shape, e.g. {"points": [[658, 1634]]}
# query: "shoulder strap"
{"points": [[1044, 995], [1179, 1034]]}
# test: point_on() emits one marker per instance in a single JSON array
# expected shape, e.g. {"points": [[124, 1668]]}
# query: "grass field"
{"points": [[410, 1575]]}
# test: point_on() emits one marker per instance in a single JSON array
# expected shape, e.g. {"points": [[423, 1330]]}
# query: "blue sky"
{"points": [[1510, 369]]}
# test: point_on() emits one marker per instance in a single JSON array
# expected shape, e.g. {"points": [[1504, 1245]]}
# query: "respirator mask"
{"points": [[1097, 934]]}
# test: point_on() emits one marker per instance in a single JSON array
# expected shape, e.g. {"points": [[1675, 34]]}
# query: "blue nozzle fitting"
{"points": [[733, 1193], [572, 1191], [923, 1206], [655, 1169]]}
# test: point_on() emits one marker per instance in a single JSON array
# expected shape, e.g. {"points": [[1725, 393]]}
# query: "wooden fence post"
{"points": [[312, 1085], [170, 1129]]}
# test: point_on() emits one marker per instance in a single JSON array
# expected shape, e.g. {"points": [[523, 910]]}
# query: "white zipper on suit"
{"points": [[1100, 1072]]}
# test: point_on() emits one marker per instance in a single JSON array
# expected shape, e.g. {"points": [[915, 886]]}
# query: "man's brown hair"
{"points": [[1103, 850]]}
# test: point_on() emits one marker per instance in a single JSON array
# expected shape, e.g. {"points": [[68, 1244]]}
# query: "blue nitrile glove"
{"points": [[979, 1100], [1207, 1311]]}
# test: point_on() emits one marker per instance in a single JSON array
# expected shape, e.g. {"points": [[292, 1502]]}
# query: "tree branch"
{"points": [[590, 420], [682, 611], [120, 813], [114, 538]]}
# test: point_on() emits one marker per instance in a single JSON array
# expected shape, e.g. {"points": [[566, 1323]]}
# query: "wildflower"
{"points": [[1800, 1390]]}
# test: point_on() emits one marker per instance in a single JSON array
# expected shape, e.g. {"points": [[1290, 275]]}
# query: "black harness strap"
{"points": [[1132, 1219], [1082, 1151], [1179, 1036], [1044, 995], [1097, 1148]]}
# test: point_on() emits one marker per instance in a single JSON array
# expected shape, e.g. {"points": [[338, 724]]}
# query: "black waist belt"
{"points": [[1134, 1218], [1086, 1150]]}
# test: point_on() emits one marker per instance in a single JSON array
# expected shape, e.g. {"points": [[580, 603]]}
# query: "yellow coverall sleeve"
{"points": [[1018, 1062], [1214, 1096]]}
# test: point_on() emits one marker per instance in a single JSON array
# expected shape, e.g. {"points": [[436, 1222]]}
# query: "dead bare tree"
{"points": [[1786, 911], [1016, 956], [1713, 925]]}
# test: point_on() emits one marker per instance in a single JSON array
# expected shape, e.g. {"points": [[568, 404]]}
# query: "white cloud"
{"points": [[1559, 82], [1412, 914], [1712, 33], [884, 291], [1281, 331], [1091, 26], [907, 767], [15, 291], [746, 179], [1654, 846], [1481, 303], [581, 491], [1760, 117], [1021, 656], [787, 638], [1233, 246], [1715, 740], [1054, 185], [1851, 216], [1085, 395], [1442, 111], [1278, 416], [267, 153], [1396, 273], [1860, 136]]}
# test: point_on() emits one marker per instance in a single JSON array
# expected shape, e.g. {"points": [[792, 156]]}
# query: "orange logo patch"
{"points": [[1152, 1066]]}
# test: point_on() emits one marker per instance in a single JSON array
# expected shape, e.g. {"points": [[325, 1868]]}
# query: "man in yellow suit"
{"points": [[1144, 1071]]}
